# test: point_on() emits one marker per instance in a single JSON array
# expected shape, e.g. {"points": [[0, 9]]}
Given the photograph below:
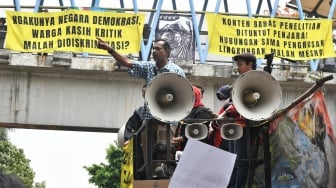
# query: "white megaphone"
{"points": [[197, 131], [120, 136], [231, 131], [169, 97], [256, 95]]}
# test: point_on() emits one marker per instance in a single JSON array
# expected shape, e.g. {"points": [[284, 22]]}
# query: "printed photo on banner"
{"points": [[178, 31], [303, 147]]}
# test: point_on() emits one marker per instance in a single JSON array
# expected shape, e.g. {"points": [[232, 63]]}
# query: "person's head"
{"points": [[143, 90], [161, 50], [224, 92], [201, 89], [245, 62], [198, 97], [178, 38]]}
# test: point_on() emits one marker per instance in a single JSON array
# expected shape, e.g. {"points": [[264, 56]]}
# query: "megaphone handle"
{"points": [[249, 154], [168, 143]]}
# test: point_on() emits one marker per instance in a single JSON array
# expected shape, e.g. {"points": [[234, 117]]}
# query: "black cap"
{"points": [[223, 92], [248, 57]]}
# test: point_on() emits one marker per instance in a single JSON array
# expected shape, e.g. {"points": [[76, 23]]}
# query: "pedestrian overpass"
{"points": [[86, 92]]}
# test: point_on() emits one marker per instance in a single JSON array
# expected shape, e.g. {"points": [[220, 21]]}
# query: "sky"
{"points": [[58, 157]]}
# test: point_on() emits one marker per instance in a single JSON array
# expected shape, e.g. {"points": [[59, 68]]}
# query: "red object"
{"points": [[230, 112], [198, 97]]}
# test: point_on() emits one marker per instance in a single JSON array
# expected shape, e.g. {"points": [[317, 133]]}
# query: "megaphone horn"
{"points": [[169, 97], [256, 95], [120, 136], [165, 98], [231, 131], [197, 131]]}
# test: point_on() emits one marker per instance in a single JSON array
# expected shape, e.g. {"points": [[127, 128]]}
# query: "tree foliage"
{"points": [[3, 134], [13, 161], [107, 175], [40, 185]]}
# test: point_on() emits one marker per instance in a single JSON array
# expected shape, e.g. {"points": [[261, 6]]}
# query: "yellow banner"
{"points": [[73, 30], [287, 38], [127, 166]]}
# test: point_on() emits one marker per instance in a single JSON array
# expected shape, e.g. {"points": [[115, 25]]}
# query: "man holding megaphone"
{"points": [[199, 111], [245, 62], [147, 70]]}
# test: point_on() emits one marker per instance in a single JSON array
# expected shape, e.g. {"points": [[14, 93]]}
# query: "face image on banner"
{"points": [[178, 31], [303, 148]]}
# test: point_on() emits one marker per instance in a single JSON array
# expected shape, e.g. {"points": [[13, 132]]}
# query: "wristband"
{"points": [[110, 51]]}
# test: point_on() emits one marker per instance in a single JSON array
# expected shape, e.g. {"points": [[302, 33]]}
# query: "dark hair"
{"points": [[166, 45], [254, 65], [200, 88], [247, 57], [144, 86]]}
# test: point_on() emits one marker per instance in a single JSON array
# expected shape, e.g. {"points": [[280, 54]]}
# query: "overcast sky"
{"points": [[58, 157]]}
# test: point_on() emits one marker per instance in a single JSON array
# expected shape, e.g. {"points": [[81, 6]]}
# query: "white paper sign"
{"points": [[203, 166]]}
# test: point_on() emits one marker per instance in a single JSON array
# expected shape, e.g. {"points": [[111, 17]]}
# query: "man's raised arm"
{"points": [[120, 58]]}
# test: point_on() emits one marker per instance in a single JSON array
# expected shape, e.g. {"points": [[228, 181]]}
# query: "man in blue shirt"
{"points": [[148, 70]]}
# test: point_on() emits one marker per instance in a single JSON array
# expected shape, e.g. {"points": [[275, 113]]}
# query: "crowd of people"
{"points": [[142, 118]]}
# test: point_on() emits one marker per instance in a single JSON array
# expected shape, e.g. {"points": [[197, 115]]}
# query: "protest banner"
{"points": [[287, 38], [73, 30], [126, 177], [178, 31], [302, 144]]}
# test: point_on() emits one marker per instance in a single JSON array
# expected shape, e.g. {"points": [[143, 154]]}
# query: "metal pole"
{"points": [[142, 45], [249, 9], [275, 8], [17, 5], [332, 9], [72, 3], [122, 5], [197, 35], [202, 15], [61, 3], [174, 4], [95, 3], [150, 20], [149, 130], [267, 157], [249, 149], [259, 6], [38, 3], [147, 49], [226, 6]]}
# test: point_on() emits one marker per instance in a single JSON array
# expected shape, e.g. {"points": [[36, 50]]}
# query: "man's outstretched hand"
{"points": [[124, 61], [103, 45]]}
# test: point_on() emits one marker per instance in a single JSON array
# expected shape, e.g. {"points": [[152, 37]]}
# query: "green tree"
{"points": [[40, 185], [3, 134], [13, 161], [107, 175]]}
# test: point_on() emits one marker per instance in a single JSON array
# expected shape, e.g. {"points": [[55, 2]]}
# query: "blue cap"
{"points": [[223, 92]]}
